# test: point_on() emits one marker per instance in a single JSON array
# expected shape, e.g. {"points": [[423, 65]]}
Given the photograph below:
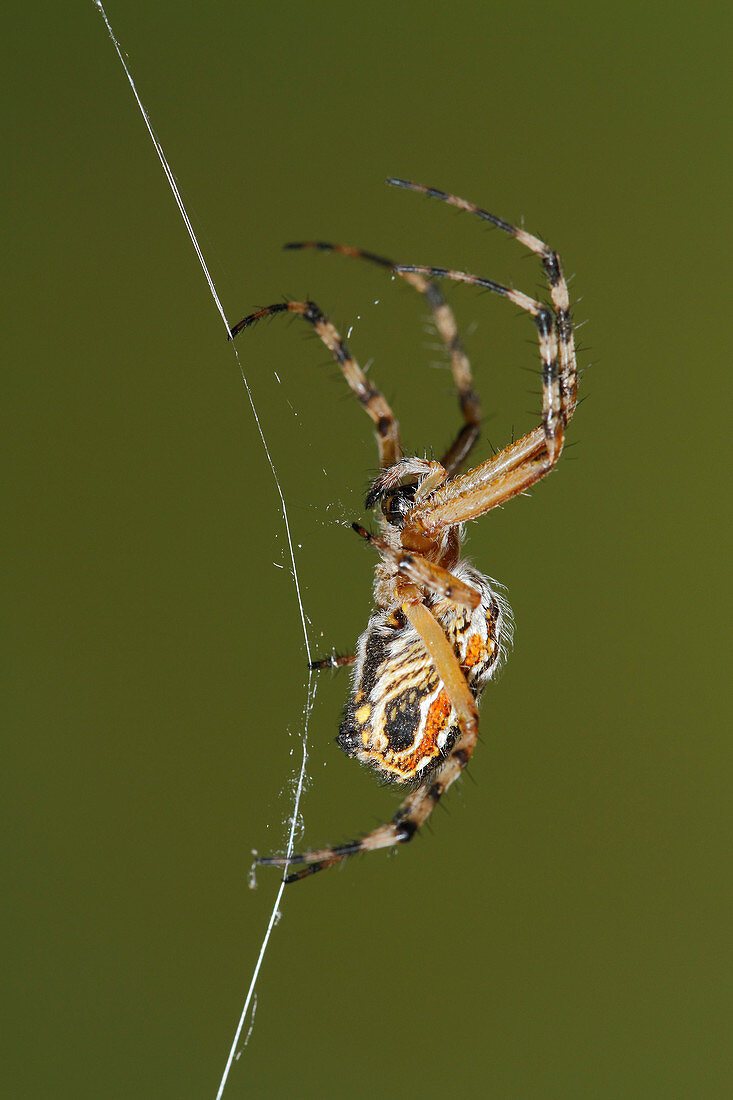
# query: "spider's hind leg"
{"points": [[411, 815], [403, 826], [418, 806]]}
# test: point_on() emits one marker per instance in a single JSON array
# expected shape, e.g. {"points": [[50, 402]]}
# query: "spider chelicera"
{"points": [[441, 629]]}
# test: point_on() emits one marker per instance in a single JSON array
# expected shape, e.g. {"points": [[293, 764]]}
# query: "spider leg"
{"points": [[553, 419], [424, 573], [473, 497], [445, 323], [521, 464], [552, 267], [418, 806], [431, 473], [385, 424], [334, 661], [511, 471]]}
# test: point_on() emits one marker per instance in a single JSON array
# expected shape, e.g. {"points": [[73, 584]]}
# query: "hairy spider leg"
{"points": [[431, 473], [424, 573], [418, 806], [386, 427], [445, 322], [552, 267], [552, 419], [518, 466]]}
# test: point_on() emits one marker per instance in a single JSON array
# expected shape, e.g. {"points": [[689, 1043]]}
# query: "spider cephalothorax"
{"points": [[441, 628]]}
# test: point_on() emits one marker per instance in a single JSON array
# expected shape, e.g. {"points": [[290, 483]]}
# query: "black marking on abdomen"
{"points": [[402, 720]]}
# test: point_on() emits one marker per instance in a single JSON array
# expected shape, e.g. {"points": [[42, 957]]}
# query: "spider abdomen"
{"points": [[399, 719]]}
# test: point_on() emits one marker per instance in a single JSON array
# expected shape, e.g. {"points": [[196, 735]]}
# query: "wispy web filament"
{"points": [[286, 523]]}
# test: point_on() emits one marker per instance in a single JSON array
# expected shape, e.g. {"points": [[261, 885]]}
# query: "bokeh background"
{"points": [[563, 928]]}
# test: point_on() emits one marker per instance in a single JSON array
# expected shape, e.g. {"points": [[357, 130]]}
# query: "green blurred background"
{"points": [[563, 929]]}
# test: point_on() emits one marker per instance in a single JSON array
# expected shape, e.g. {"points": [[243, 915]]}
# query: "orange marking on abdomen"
{"points": [[425, 748], [475, 651]]}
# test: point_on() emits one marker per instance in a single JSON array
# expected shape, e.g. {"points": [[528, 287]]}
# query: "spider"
{"points": [[441, 629]]}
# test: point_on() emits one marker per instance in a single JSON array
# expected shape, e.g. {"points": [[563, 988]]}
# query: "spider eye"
{"points": [[389, 508], [395, 506]]}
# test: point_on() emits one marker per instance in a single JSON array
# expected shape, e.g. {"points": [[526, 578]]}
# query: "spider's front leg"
{"points": [[447, 328], [520, 465], [386, 428], [552, 268]]}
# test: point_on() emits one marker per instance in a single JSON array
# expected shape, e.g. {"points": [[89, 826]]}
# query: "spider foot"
{"points": [[314, 861]]}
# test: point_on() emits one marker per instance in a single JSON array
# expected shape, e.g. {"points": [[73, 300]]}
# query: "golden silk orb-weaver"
{"points": [[441, 628]]}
